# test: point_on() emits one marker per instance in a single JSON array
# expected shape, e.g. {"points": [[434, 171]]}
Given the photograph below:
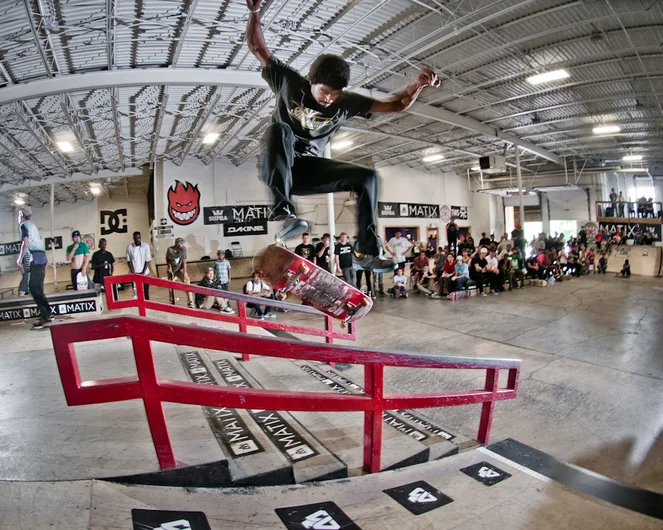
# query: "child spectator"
{"points": [[400, 281], [207, 301], [447, 273], [626, 270], [256, 287], [603, 264], [462, 275]]}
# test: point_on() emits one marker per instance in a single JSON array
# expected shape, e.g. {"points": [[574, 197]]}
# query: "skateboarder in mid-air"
{"points": [[307, 114]]}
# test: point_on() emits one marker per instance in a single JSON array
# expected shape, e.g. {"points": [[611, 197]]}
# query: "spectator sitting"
{"points": [[518, 267], [256, 287], [398, 290], [603, 264], [532, 267], [462, 275], [506, 271], [492, 243], [626, 270], [448, 274], [507, 251], [478, 268], [563, 261], [207, 301], [418, 265], [493, 271], [467, 257], [469, 242], [439, 260], [545, 265], [590, 258], [461, 244], [425, 282]]}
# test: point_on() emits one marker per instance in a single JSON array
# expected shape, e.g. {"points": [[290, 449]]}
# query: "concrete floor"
{"points": [[591, 389]]}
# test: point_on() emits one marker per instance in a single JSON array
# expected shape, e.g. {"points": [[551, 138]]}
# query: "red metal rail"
{"points": [[241, 318], [154, 391]]}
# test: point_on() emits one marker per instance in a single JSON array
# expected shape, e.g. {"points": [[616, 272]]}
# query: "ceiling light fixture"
{"points": [[65, 146], [475, 168], [210, 138], [19, 202], [341, 144], [632, 158], [95, 189], [606, 129], [545, 77], [433, 158]]}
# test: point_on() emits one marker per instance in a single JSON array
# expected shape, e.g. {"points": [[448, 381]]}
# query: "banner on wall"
{"points": [[404, 209], [459, 212], [629, 229], [253, 228], [245, 213], [113, 222], [9, 249], [183, 203], [53, 243]]}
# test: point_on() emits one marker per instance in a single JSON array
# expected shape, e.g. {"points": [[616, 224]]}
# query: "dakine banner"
{"points": [[9, 249], [403, 209], [255, 228], [215, 215]]}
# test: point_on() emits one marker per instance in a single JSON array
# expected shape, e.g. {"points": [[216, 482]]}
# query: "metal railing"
{"points": [[154, 391], [629, 209], [241, 318]]}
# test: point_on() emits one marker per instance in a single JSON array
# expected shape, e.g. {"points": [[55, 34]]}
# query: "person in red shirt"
{"points": [[447, 285], [418, 266], [599, 240]]}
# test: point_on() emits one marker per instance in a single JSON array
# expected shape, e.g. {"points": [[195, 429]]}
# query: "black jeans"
{"points": [[37, 290], [478, 278], [287, 174]]}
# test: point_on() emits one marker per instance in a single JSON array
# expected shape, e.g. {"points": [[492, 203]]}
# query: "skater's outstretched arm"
{"points": [[404, 99], [254, 36]]}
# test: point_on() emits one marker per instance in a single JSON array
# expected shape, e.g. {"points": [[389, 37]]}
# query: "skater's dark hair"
{"points": [[330, 70]]}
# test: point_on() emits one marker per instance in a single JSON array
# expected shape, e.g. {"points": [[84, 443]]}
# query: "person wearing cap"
{"points": [[176, 257], [78, 253], [462, 275], [478, 269], [31, 241]]}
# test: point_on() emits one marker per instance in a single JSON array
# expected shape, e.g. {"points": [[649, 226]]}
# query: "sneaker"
{"points": [[372, 263], [270, 315], [484, 294], [292, 227], [494, 293], [435, 295], [191, 305], [261, 317], [41, 324], [253, 313], [228, 310]]}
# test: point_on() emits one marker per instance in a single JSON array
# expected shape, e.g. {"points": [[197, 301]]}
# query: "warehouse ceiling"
{"points": [[131, 82]]}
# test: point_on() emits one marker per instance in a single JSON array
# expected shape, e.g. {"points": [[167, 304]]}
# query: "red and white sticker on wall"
{"points": [[183, 203]]}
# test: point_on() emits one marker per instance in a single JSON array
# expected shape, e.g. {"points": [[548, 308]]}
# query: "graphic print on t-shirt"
{"points": [[309, 118]]}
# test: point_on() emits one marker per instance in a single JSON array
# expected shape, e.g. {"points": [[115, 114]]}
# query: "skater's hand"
{"points": [[75, 246], [20, 268], [253, 4], [426, 78], [186, 278]]}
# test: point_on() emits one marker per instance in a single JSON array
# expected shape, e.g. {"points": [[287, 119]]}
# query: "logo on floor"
{"points": [[418, 497], [486, 473], [323, 516], [168, 520]]}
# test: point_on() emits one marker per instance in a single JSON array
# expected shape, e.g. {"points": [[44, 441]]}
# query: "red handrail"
{"points": [[154, 391], [241, 318]]}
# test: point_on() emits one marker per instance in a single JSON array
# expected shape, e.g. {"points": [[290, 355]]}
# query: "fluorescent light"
{"points": [[341, 144], [19, 202], [632, 158], [210, 138], [553, 75], [475, 168], [606, 129], [95, 189], [65, 147], [433, 158]]}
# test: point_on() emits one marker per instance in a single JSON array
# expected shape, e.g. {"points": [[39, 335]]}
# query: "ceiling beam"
{"points": [[111, 8], [104, 173]]}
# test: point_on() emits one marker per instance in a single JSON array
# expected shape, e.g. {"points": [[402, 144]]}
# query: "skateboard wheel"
{"points": [[302, 268], [364, 302]]}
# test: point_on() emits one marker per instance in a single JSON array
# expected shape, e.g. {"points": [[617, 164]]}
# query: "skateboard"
{"points": [[459, 295], [286, 272], [537, 283]]}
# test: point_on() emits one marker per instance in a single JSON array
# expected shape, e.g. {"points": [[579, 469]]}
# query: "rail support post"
{"points": [[374, 386], [488, 408]]}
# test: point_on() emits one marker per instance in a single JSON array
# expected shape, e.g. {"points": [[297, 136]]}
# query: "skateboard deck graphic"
{"points": [[537, 283], [286, 271], [459, 295]]}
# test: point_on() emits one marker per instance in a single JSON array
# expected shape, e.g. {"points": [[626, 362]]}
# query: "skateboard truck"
{"points": [[291, 229]]}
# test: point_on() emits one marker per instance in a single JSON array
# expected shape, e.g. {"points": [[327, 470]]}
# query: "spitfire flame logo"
{"points": [[183, 203]]}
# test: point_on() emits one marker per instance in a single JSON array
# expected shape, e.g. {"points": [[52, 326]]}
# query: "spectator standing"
{"points": [[103, 264], [207, 301], [305, 249], [399, 247], [478, 269], [176, 258], [256, 287], [138, 260], [620, 200], [78, 254], [322, 253], [505, 243], [31, 241], [484, 241], [399, 289], [518, 238], [613, 202], [222, 271], [343, 256], [452, 235]]}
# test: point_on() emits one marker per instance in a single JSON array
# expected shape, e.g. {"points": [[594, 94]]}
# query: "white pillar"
{"points": [[55, 267], [331, 220], [520, 189]]}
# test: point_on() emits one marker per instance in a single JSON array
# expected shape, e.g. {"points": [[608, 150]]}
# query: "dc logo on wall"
{"points": [[113, 222], [183, 203]]}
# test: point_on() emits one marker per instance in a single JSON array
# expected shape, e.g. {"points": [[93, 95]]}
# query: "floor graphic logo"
{"points": [[486, 473], [322, 516], [418, 497], [168, 520]]}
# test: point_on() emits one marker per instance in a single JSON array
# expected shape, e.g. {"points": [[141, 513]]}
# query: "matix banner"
{"points": [[629, 229], [404, 209], [215, 215], [8, 249], [255, 228]]}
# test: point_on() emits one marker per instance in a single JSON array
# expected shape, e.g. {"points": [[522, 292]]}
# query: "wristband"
{"points": [[254, 10]]}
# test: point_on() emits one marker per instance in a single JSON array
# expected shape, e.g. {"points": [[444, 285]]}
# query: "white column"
{"points": [[331, 220], [520, 189], [55, 267]]}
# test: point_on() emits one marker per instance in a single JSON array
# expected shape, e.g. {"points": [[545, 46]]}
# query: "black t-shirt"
{"points": [[322, 261], [97, 259], [476, 260], [452, 230], [484, 242], [305, 251], [312, 124], [344, 253]]}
